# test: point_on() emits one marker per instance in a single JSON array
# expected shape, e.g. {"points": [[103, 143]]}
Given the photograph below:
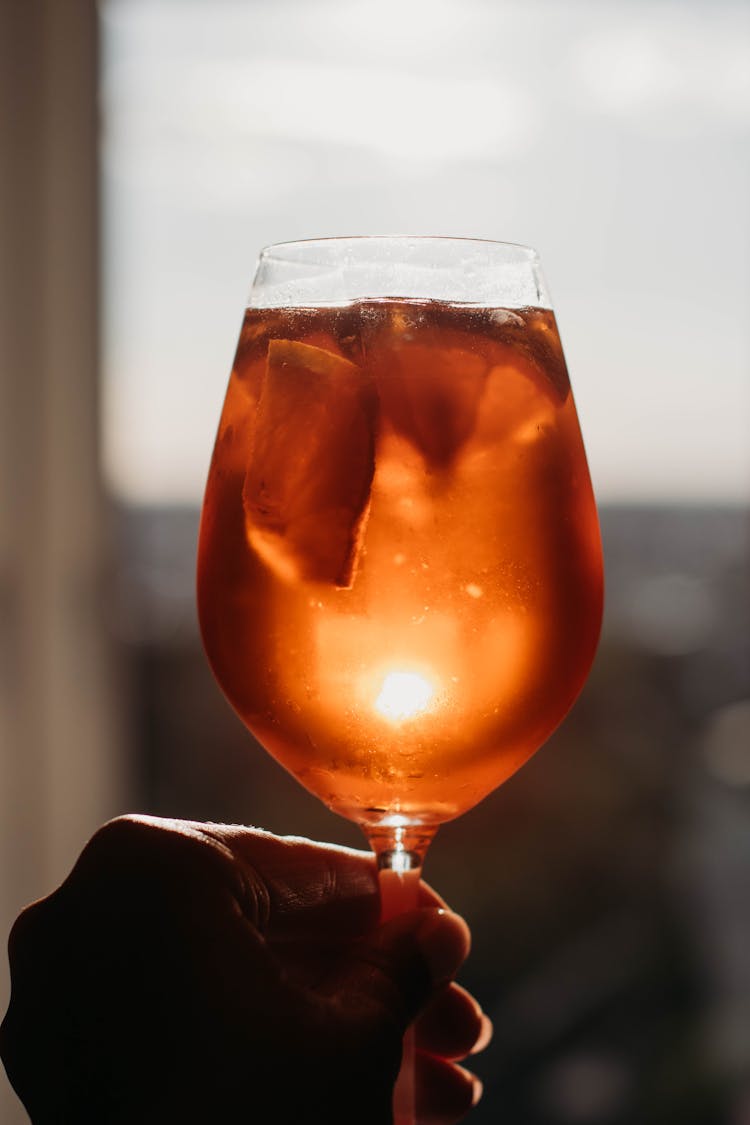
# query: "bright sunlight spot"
{"points": [[403, 695]]}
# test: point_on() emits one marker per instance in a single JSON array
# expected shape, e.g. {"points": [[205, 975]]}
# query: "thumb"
{"points": [[399, 967]]}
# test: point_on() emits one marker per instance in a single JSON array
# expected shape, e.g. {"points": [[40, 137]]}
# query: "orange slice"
{"points": [[307, 486], [532, 334], [430, 394], [517, 402]]}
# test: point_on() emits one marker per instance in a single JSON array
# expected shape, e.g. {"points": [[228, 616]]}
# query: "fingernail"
{"points": [[485, 1034], [444, 939], [477, 1088]]}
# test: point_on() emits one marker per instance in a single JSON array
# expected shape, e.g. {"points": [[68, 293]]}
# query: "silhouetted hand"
{"points": [[192, 972]]}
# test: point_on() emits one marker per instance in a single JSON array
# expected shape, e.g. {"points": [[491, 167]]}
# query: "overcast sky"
{"points": [[613, 136]]}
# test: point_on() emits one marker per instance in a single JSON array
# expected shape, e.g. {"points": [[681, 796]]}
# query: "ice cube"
{"points": [[307, 485]]}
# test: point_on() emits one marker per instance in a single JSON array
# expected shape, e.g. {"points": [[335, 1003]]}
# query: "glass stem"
{"points": [[400, 852]]}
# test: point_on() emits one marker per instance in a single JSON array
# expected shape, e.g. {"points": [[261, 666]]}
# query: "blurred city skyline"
{"points": [[604, 882], [613, 137]]}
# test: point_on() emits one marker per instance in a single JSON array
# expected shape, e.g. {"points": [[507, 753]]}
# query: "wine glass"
{"points": [[399, 566]]}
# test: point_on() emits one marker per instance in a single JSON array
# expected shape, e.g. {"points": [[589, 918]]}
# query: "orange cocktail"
{"points": [[399, 569]]}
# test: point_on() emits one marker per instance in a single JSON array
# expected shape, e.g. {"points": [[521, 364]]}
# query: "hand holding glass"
{"points": [[400, 576]]}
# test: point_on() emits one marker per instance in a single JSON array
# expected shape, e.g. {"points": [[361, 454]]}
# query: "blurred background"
{"points": [[149, 148]]}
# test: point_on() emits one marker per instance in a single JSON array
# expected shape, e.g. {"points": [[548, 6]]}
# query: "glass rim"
{"points": [[520, 249], [345, 268]]}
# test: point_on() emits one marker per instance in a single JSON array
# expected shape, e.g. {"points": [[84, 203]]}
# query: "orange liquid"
{"points": [[400, 577]]}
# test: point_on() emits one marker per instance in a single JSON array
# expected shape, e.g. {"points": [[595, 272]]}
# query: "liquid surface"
{"points": [[399, 576]]}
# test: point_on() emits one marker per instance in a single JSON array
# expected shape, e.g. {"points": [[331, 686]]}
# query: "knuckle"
{"points": [[24, 931], [254, 899], [32, 935], [112, 841], [132, 847], [125, 829]]}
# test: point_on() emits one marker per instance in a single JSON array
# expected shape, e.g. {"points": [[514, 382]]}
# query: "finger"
{"points": [[313, 889], [401, 965], [152, 854], [279, 883], [286, 886], [310, 888], [444, 1092], [452, 1025]]}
